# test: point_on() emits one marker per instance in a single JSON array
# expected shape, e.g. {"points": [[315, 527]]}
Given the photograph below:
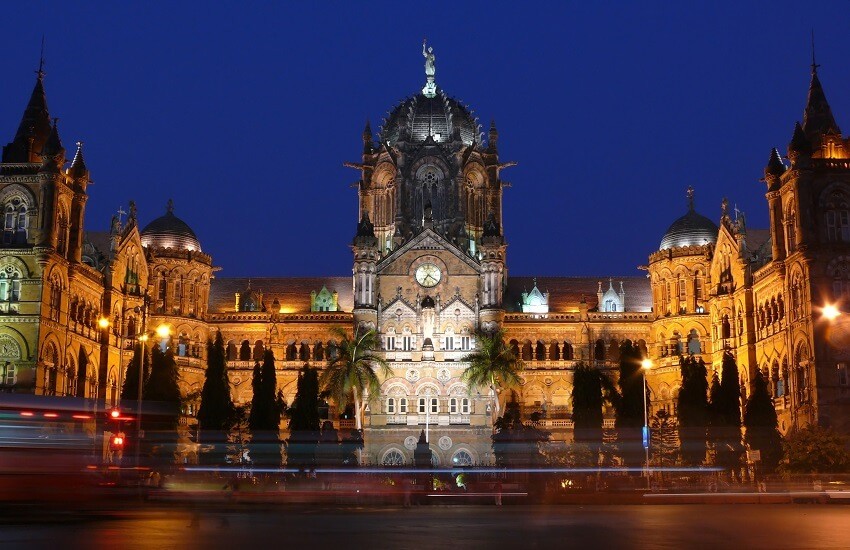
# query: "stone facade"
{"points": [[430, 270]]}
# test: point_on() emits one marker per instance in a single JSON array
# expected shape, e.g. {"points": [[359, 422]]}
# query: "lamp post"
{"points": [[646, 364]]}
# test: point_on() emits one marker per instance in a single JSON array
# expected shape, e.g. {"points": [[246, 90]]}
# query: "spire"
{"points": [[53, 146], [430, 89], [817, 116], [34, 128], [775, 166], [799, 143], [493, 136], [690, 193], [78, 167], [368, 138], [169, 207]]}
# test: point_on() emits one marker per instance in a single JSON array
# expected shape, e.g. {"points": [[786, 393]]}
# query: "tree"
{"points": [[591, 388], [216, 410], [515, 444], [665, 437], [692, 409], [82, 371], [762, 431], [304, 420], [216, 413], [351, 373], [264, 418], [630, 407], [160, 421], [492, 365], [814, 450], [130, 389], [725, 416]]}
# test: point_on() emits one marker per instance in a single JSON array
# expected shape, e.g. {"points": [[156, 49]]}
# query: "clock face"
{"points": [[428, 275]]}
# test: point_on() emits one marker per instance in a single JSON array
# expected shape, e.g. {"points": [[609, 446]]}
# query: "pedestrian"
{"points": [[499, 493]]}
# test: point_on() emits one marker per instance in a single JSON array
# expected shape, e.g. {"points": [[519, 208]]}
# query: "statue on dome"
{"points": [[429, 56], [430, 89]]}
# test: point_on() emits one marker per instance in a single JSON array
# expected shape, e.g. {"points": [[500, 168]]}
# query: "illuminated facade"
{"points": [[429, 270]]}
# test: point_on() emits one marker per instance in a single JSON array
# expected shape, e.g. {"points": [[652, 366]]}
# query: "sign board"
{"points": [[646, 437], [753, 456]]}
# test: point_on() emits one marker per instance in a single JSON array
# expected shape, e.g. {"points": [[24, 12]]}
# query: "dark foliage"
{"points": [[725, 416], [130, 390], [813, 450], [162, 411], [264, 418], [630, 406], [216, 410], [304, 420], [82, 372], [591, 388], [693, 410], [516, 445], [762, 431]]}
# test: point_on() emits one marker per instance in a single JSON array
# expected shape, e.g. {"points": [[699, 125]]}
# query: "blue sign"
{"points": [[646, 437]]}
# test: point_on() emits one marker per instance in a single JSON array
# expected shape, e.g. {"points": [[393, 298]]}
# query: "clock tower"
{"points": [[429, 272]]}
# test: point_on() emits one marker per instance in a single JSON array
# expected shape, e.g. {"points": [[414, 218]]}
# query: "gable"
{"points": [[428, 241]]}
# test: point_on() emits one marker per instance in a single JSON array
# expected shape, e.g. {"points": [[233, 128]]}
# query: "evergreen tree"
{"points": [[761, 425], [130, 390], [726, 416], [813, 450], [693, 409], [630, 407], [264, 419], [304, 420], [162, 394], [591, 388], [664, 438], [82, 372], [216, 413]]}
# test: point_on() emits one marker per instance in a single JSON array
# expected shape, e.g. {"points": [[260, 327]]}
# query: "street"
{"points": [[638, 527]]}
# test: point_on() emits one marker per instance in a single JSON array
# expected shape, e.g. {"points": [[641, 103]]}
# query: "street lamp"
{"points": [[646, 364], [830, 312]]}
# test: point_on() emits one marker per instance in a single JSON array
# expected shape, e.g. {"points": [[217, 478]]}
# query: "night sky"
{"points": [[244, 113]]}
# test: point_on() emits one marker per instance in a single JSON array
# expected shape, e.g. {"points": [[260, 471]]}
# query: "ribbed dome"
{"points": [[689, 230], [169, 231], [437, 116]]}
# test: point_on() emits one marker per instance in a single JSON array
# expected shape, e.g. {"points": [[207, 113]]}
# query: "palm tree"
{"points": [[352, 370], [493, 365]]}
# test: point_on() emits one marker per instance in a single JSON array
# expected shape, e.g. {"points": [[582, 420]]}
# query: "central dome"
{"points": [[440, 116], [169, 231], [690, 230]]}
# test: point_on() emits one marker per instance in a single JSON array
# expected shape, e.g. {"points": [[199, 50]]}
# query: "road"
{"points": [[437, 527]]}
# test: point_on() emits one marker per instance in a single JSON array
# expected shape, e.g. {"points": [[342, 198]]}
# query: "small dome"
{"points": [[689, 230], [169, 231], [439, 116]]}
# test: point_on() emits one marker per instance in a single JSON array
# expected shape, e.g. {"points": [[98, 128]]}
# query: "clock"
{"points": [[428, 275]]}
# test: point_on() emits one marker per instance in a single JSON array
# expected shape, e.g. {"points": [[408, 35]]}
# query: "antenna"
{"points": [[41, 59], [814, 63]]}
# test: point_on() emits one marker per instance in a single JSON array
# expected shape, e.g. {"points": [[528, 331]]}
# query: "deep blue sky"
{"points": [[243, 113]]}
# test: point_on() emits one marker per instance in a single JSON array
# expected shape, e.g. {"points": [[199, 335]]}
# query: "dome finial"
{"points": [[690, 197], [170, 206], [430, 89]]}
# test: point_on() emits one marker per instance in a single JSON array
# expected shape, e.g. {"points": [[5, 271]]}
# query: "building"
{"points": [[430, 270]]}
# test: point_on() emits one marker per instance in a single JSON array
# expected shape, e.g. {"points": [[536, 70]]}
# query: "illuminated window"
{"points": [[9, 376], [462, 458], [15, 223], [10, 285], [393, 457]]}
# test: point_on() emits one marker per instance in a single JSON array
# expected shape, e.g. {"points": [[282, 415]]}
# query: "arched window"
{"points": [[304, 352], [162, 293], [245, 351], [178, 296], [182, 345], [62, 233], [318, 352], [10, 285], [790, 231], [540, 351], [15, 223], [462, 458], [232, 352], [259, 350], [291, 352], [567, 353], [393, 457], [725, 328], [837, 218], [694, 346], [599, 351], [390, 405], [55, 298]]}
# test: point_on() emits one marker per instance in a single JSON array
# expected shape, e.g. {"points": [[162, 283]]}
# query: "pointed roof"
{"points": [[799, 141], [78, 167], [53, 145], [775, 166], [817, 116], [35, 126]]}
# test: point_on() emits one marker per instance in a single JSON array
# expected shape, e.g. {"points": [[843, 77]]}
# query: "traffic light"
{"points": [[117, 442]]}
